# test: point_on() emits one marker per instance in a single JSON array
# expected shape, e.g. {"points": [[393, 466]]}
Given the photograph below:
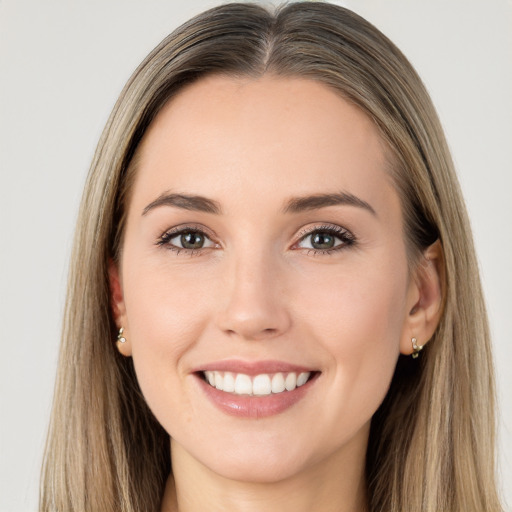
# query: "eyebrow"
{"points": [[293, 205], [317, 201], [185, 202]]}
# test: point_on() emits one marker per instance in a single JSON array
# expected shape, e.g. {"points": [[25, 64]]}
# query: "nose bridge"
{"points": [[254, 305]]}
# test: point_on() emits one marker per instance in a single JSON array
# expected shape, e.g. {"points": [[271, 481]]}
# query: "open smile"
{"points": [[263, 384], [255, 390]]}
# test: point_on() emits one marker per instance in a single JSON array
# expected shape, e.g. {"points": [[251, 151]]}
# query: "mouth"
{"points": [[255, 390], [260, 385]]}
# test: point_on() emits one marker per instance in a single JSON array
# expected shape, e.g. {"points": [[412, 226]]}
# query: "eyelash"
{"points": [[165, 239], [346, 237]]}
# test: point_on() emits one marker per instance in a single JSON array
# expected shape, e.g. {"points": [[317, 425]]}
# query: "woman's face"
{"points": [[264, 248]]}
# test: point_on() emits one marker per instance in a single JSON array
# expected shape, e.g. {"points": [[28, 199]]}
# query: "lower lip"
{"points": [[245, 406]]}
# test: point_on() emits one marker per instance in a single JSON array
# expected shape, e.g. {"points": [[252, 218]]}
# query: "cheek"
{"points": [[358, 320], [165, 318], [357, 308], [165, 301]]}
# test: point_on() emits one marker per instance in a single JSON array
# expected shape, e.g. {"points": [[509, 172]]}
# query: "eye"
{"points": [[326, 239], [186, 239]]}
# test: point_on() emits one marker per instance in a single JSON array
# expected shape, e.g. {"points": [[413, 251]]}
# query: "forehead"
{"points": [[232, 137]]}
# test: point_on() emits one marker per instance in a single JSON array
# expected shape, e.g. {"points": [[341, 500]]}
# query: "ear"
{"points": [[118, 306], [424, 298]]}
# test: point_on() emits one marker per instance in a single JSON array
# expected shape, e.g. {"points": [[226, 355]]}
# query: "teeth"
{"points": [[261, 385], [210, 377], [278, 383], [219, 381], [290, 383], [229, 382], [302, 379], [243, 384]]}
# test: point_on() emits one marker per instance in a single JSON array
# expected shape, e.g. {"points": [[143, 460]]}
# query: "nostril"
{"points": [[252, 332]]}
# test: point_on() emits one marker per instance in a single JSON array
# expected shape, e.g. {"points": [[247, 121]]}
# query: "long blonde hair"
{"points": [[431, 445]]}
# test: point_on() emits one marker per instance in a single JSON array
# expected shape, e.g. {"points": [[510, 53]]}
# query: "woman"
{"points": [[274, 289]]}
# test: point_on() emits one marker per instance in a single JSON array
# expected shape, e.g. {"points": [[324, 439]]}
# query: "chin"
{"points": [[260, 471], [269, 459]]}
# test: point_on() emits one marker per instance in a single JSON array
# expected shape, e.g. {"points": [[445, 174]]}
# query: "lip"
{"points": [[245, 406], [253, 368]]}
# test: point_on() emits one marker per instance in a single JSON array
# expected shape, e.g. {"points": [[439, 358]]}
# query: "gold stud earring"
{"points": [[416, 348], [120, 336]]}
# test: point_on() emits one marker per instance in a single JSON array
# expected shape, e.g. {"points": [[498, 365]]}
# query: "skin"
{"points": [[258, 291]]}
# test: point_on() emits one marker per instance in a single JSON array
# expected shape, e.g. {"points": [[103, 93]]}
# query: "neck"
{"points": [[333, 485]]}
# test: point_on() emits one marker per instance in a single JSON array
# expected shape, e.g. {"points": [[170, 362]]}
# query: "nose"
{"points": [[254, 305]]}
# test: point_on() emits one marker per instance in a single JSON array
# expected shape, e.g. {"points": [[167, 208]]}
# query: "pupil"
{"points": [[322, 241], [192, 240]]}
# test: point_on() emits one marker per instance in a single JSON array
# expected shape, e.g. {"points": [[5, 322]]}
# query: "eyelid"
{"points": [[343, 234], [189, 227], [168, 234], [332, 228]]}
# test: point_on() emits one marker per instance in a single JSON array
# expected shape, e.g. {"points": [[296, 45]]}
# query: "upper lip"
{"points": [[253, 367]]}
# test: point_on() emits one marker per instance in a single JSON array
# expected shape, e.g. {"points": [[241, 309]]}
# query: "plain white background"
{"points": [[62, 65]]}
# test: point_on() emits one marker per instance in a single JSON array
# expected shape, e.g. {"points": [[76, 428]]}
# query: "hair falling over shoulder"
{"points": [[431, 445]]}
